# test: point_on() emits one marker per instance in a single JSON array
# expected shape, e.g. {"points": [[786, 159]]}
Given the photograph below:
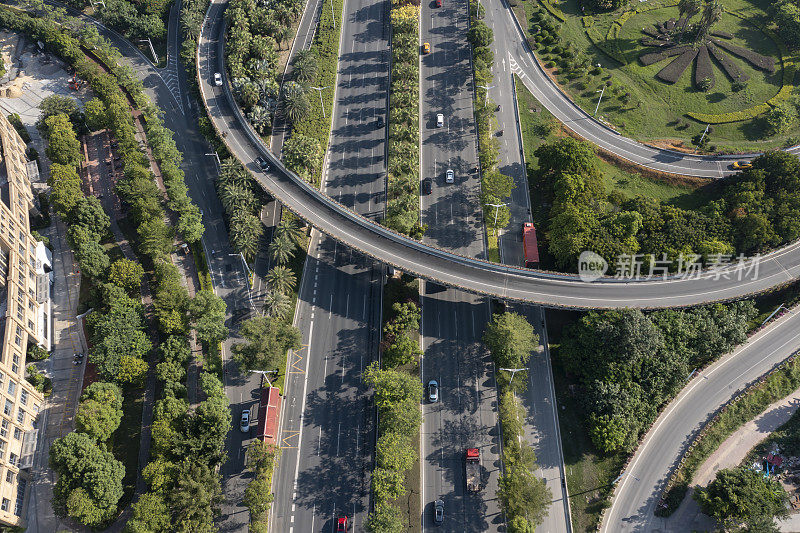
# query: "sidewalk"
{"points": [[57, 418]]}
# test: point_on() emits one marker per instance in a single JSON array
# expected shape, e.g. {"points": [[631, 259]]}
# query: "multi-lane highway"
{"points": [[328, 432], [452, 320], [475, 275]]}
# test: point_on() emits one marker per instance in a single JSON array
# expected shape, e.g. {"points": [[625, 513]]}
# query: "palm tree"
{"points": [[305, 66], [295, 102], [290, 229], [281, 279], [712, 12], [260, 118], [235, 198], [277, 304], [246, 230], [281, 249]]}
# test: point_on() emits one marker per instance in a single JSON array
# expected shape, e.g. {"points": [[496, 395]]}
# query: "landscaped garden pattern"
{"points": [[640, 105]]}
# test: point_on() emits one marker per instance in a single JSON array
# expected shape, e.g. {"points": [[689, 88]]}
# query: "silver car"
{"points": [[438, 512], [433, 391], [450, 177]]}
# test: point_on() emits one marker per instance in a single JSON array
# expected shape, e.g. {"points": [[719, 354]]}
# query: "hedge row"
{"points": [[728, 65], [655, 57], [757, 60], [734, 116], [703, 68], [553, 10]]}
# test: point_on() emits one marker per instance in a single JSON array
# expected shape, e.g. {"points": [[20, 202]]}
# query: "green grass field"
{"points": [[655, 106]]}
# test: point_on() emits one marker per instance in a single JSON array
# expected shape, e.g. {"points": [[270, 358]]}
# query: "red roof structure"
{"points": [[269, 411]]}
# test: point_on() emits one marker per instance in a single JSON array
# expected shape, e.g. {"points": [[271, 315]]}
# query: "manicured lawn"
{"points": [[655, 106]]}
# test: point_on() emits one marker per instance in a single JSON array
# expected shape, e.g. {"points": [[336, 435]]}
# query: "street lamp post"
{"points": [[215, 155], [703, 136], [264, 374], [513, 372], [599, 100], [99, 2], [247, 277], [496, 212], [148, 41], [486, 96], [319, 90]]}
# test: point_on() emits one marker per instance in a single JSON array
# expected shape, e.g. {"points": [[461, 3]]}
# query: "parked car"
{"points": [[450, 176], [438, 3], [741, 165], [433, 391], [426, 48], [439, 120], [427, 186], [341, 524], [218, 79], [244, 425], [438, 512], [262, 163]]}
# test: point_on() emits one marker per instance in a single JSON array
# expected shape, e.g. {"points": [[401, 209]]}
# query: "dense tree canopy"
{"points": [[742, 495], [99, 411], [266, 341]]}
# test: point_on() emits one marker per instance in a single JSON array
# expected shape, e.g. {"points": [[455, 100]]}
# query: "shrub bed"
{"points": [[553, 10], [755, 59], [655, 57], [703, 69], [731, 69], [672, 72], [722, 34]]}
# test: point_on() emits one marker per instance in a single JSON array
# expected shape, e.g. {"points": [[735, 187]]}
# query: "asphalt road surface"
{"points": [[452, 320], [328, 433], [639, 489], [509, 283]]}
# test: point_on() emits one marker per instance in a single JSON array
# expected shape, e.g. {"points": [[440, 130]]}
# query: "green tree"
{"points": [[510, 339], [96, 114], [150, 514], [132, 370], [63, 146], [480, 34], [740, 494], [786, 14], [277, 304], [305, 66], [127, 275], [246, 231], [57, 104], [193, 498], [89, 214], [155, 237], [207, 313], [295, 102], [290, 229], [386, 518], [522, 494], [89, 479], [282, 279], [100, 411], [266, 341], [782, 118], [303, 155], [66, 188], [281, 249], [91, 256]]}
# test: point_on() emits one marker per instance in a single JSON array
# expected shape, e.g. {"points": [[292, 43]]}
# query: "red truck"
{"points": [[529, 246], [472, 468], [269, 411]]}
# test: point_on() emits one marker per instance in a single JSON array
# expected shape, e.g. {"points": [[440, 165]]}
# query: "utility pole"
{"points": [[599, 100], [264, 374], [99, 2], [486, 96], [319, 90], [496, 212], [247, 276], [148, 41]]}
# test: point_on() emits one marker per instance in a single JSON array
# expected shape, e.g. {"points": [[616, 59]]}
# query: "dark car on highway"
{"points": [[379, 122], [262, 163], [438, 512], [427, 186]]}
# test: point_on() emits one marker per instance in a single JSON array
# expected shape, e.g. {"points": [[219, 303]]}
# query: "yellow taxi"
{"points": [[426, 48], [741, 165]]}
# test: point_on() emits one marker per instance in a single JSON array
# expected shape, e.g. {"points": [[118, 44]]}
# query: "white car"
{"points": [[218, 79], [450, 177], [244, 425], [439, 120]]}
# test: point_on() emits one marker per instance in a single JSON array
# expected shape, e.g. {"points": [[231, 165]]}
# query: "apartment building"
{"points": [[25, 318]]}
